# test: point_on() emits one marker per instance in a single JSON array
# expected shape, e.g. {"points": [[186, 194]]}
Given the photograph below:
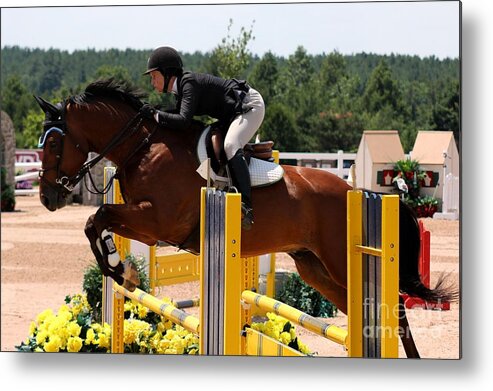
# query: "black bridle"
{"points": [[65, 184]]}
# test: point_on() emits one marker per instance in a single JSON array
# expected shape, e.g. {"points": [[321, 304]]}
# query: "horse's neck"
{"points": [[102, 125], [181, 142]]}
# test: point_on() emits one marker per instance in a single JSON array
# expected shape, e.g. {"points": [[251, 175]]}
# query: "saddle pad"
{"points": [[262, 173]]}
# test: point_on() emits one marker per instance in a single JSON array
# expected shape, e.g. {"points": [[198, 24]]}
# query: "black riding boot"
{"points": [[240, 176]]}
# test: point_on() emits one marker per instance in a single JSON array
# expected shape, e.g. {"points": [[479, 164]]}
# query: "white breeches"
{"points": [[244, 126]]}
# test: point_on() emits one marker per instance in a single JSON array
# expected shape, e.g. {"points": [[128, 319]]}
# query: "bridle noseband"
{"points": [[57, 125]]}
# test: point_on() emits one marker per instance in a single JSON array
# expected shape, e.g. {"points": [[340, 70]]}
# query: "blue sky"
{"points": [[415, 28]]}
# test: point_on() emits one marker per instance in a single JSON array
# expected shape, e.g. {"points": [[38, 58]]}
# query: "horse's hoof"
{"points": [[130, 274], [128, 285], [246, 218], [246, 224]]}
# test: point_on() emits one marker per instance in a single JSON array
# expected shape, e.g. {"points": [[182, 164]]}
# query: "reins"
{"points": [[108, 148]]}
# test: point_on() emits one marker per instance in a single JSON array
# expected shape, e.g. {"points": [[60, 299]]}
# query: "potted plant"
{"points": [[426, 206], [410, 171]]}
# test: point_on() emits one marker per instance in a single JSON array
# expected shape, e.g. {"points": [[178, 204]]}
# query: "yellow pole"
{"points": [[167, 310], [153, 269], [232, 275], [123, 247], [390, 277], [354, 274], [203, 287], [296, 316]]}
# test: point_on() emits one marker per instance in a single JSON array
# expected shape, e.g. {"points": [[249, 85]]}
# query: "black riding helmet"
{"points": [[166, 60]]}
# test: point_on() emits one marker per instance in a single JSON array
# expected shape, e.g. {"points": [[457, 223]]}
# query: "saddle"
{"points": [[263, 170]]}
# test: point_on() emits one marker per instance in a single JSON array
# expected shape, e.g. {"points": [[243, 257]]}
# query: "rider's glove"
{"points": [[148, 111]]}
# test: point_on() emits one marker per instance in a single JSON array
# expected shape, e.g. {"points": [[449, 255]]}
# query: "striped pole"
{"points": [[169, 311], [296, 316]]}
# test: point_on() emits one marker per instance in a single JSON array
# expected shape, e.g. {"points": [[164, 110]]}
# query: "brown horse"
{"points": [[304, 214]]}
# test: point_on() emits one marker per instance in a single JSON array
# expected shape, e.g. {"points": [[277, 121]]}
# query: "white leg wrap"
{"points": [[113, 256]]}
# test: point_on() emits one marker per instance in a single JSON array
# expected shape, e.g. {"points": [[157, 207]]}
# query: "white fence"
{"points": [[450, 200], [337, 163], [30, 172]]}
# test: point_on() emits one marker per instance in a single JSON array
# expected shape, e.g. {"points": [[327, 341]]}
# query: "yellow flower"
{"points": [[74, 344], [41, 337], [142, 311], [74, 329], [107, 329], [32, 328], [271, 316], [303, 348], [53, 344], [128, 306], [104, 341], [134, 329], [43, 315], [90, 337], [285, 338]]}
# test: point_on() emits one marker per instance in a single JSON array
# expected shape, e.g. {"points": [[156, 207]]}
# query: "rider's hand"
{"points": [[147, 111]]}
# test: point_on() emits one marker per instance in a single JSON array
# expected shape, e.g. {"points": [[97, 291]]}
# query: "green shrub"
{"points": [[93, 284], [298, 294]]}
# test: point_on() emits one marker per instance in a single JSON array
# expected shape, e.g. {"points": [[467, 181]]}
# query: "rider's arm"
{"points": [[183, 118]]}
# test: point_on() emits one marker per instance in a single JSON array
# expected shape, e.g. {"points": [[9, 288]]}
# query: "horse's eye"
{"points": [[53, 144]]}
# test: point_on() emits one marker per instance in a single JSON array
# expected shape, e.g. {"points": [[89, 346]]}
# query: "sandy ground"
{"points": [[43, 257]]}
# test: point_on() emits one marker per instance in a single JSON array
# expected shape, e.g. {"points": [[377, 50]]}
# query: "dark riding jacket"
{"points": [[204, 94]]}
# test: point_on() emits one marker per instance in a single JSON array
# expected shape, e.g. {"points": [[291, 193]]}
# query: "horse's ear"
{"points": [[46, 106]]}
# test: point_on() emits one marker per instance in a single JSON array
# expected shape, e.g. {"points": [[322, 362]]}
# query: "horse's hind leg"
{"points": [[405, 332], [314, 273]]}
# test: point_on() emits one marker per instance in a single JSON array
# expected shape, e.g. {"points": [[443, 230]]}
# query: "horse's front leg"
{"points": [[130, 221]]}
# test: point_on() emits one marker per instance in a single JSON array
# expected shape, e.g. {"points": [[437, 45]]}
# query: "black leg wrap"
{"points": [[240, 175]]}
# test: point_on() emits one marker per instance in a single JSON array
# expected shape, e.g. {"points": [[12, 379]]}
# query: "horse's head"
{"points": [[62, 156]]}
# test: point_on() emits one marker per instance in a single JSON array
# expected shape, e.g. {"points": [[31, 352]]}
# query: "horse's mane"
{"points": [[112, 88]]}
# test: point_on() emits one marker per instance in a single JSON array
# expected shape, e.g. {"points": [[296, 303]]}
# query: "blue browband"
{"points": [[42, 139]]}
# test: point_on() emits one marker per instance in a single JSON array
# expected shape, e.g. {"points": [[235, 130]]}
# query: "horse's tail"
{"points": [[410, 281]]}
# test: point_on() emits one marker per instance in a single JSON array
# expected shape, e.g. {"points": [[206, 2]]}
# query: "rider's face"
{"points": [[157, 81]]}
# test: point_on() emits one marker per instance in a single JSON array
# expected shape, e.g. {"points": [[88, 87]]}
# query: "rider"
{"points": [[232, 102]]}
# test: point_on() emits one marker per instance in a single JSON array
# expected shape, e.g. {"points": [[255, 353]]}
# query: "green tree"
{"points": [[232, 57], [333, 70], [382, 91], [117, 72], [264, 77], [33, 127], [296, 74], [16, 102], [446, 112], [280, 126], [52, 72]]}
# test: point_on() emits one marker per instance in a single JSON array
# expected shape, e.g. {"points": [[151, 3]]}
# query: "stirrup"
{"points": [[246, 217]]}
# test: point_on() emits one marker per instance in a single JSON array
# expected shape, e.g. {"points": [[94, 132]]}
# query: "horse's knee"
{"points": [[90, 229], [102, 213]]}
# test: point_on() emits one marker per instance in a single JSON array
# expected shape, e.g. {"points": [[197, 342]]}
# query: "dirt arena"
{"points": [[43, 256]]}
